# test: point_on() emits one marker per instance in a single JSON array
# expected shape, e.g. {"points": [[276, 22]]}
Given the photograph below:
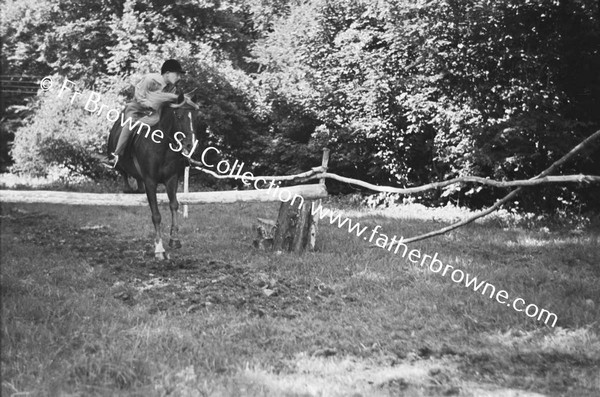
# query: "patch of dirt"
{"points": [[182, 283], [522, 368], [360, 377], [191, 285]]}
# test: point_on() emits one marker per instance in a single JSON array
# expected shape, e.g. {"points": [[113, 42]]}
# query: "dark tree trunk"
{"points": [[296, 228]]}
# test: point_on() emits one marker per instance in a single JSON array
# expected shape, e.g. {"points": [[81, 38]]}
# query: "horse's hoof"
{"points": [[160, 256], [174, 243]]}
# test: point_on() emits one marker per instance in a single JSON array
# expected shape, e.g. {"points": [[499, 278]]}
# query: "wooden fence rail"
{"points": [[308, 192]]}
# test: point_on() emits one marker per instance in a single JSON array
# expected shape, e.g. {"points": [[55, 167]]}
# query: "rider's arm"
{"points": [[149, 92]]}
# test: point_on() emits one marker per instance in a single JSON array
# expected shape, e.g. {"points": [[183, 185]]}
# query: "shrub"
{"points": [[61, 132]]}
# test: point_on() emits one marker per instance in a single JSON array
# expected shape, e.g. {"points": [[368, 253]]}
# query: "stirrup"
{"points": [[109, 161], [116, 160]]}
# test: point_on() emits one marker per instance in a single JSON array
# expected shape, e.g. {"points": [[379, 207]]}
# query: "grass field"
{"points": [[86, 310]]}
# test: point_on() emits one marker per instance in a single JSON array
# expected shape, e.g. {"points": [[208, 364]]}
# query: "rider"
{"points": [[151, 94]]}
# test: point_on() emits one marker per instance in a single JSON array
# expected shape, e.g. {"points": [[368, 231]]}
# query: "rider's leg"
{"points": [[121, 144], [132, 112], [123, 139], [151, 118]]}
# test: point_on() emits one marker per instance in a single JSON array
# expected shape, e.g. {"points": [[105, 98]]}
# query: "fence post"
{"points": [[186, 188], [324, 164]]}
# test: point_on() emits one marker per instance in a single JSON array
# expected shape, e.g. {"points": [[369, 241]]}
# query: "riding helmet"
{"points": [[171, 65]]}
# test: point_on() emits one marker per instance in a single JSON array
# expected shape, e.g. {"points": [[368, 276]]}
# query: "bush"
{"points": [[65, 134]]}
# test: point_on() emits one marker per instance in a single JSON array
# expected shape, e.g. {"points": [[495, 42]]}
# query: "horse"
{"points": [[151, 160]]}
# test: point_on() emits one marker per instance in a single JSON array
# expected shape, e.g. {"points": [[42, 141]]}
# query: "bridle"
{"points": [[181, 120]]}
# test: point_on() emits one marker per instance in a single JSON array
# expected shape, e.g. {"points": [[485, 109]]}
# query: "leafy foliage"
{"points": [[402, 92], [412, 92], [62, 132]]}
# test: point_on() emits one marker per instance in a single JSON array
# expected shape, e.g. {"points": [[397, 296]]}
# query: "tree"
{"points": [[409, 92]]}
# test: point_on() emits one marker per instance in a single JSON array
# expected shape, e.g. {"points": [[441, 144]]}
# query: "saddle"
{"points": [[143, 115]]}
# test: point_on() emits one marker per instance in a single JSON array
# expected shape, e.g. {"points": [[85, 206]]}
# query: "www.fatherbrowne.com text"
{"points": [[435, 265]]}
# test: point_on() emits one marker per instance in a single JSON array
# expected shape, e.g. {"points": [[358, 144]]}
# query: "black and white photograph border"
{"points": [[365, 198]]}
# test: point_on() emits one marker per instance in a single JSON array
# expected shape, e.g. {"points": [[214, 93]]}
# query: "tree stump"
{"points": [[265, 229], [294, 231]]}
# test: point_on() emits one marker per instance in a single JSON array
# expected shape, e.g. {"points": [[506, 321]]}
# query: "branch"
{"points": [[319, 172], [510, 195], [312, 174], [473, 179], [316, 173]]}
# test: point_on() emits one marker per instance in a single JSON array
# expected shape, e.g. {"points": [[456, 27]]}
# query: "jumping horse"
{"points": [[151, 163]]}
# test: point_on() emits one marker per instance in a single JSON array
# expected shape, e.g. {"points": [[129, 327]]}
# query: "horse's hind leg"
{"points": [[126, 186], [159, 251], [171, 186], [140, 186]]}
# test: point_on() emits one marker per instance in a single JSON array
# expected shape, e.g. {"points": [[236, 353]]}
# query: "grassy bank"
{"points": [[87, 311]]}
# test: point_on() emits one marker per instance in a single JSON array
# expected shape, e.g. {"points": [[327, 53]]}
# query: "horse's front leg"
{"points": [[171, 186], [159, 251]]}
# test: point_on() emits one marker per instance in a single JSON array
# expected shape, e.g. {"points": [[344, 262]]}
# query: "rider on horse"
{"points": [[151, 94]]}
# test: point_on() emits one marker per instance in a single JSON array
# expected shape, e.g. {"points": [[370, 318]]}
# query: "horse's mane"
{"points": [[168, 119]]}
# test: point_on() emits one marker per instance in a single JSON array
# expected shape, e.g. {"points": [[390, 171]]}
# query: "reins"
{"points": [[171, 139]]}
